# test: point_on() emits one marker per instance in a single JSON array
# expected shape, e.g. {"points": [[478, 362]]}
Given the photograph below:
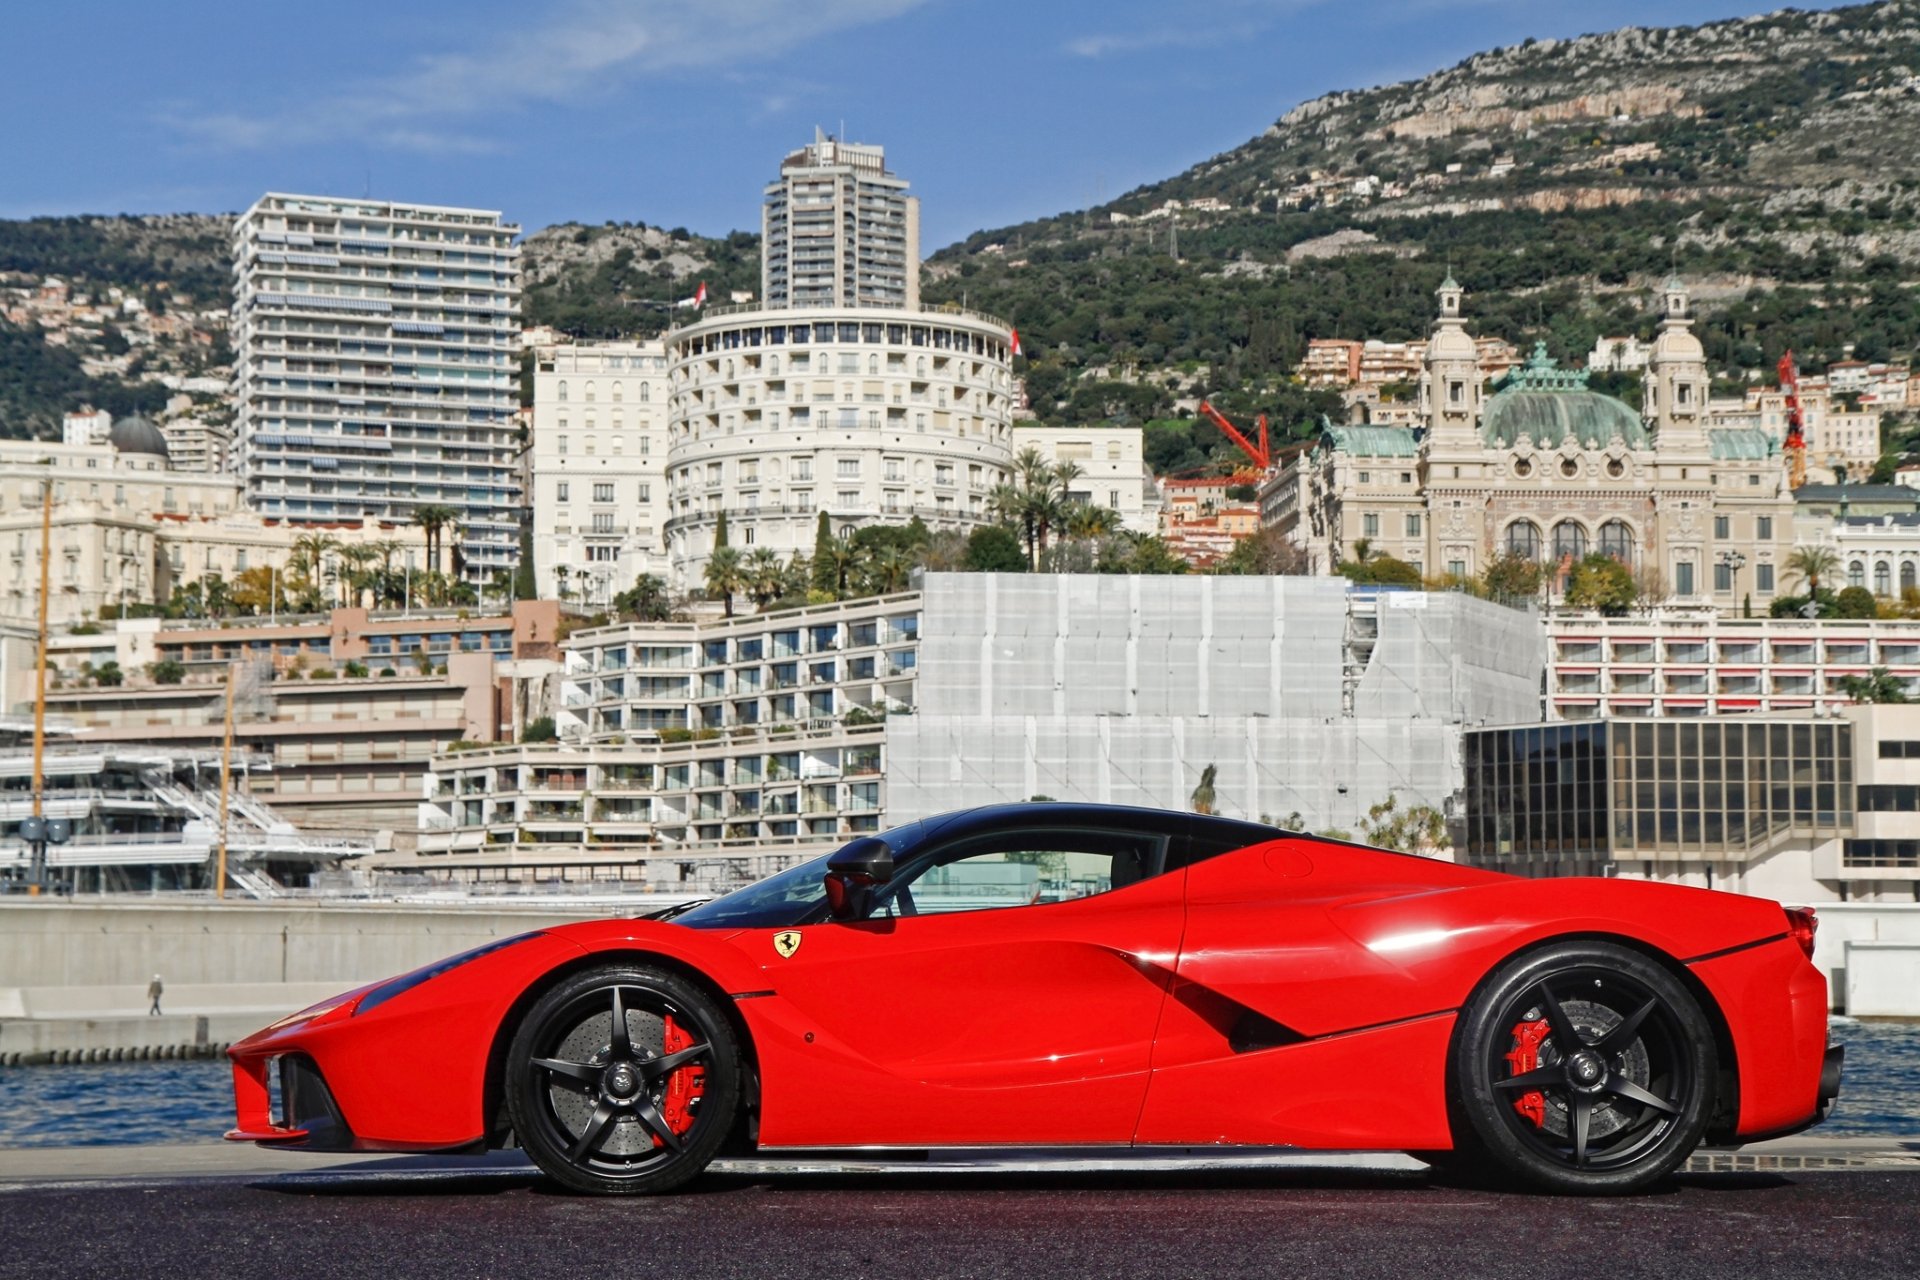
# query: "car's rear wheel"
{"points": [[1583, 1067], [623, 1080]]}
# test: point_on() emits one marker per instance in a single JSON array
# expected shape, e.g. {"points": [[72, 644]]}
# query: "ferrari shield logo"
{"points": [[786, 942]]}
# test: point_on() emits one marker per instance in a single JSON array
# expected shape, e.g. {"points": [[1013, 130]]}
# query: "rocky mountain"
{"points": [[1772, 160]]}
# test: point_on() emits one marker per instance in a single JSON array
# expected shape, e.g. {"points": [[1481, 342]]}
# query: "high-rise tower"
{"points": [[839, 230], [374, 367]]}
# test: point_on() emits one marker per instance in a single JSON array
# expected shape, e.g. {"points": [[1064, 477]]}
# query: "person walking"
{"points": [[154, 989]]}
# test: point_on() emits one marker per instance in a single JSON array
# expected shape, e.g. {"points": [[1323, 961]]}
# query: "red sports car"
{"points": [[1053, 975]]}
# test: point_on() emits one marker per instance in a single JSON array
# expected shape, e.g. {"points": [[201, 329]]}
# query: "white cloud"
{"points": [[577, 50], [1226, 22]]}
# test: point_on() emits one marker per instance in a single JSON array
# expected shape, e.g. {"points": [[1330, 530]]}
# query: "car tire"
{"points": [[636, 1113], [1613, 1115]]}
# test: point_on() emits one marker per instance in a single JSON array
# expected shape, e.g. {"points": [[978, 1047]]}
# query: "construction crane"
{"points": [[1260, 455], [1796, 442]]}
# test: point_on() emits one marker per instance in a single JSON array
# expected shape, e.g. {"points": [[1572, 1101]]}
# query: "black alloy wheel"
{"points": [[623, 1080], [1584, 1067]]}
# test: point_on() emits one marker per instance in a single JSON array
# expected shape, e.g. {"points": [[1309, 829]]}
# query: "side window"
{"points": [[1021, 869], [1214, 837]]}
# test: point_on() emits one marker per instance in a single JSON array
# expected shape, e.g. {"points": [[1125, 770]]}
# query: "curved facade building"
{"points": [[870, 413]]}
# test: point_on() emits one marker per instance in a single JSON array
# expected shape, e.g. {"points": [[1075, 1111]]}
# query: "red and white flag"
{"points": [[700, 295], [1016, 341]]}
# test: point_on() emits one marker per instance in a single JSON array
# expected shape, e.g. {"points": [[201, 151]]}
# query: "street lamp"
{"points": [[1733, 560]]}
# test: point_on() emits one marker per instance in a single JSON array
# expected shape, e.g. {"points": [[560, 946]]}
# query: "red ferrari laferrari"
{"points": [[1052, 975]]}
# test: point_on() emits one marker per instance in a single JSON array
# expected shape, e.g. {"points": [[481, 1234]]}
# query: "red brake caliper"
{"points": [[684, 1086], [1524, 1057]]}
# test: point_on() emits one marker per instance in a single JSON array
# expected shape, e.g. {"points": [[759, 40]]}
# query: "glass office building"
{"points": [[1581, 798]]}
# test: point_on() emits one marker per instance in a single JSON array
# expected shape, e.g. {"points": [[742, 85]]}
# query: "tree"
{"points": [[724, 575], [540, 730], [1603, 583], [994, 549], [1267, 552], [1385, 571], [1812, 563], [108, 675], [1855, 602], [1203, 795], [433, 517], [167, 671], [356, 570], [720, 532], [1886, 469], [1509, 577], [763, 577], [822, 563], [645, 601], [1418, 829], [1878, 685]]}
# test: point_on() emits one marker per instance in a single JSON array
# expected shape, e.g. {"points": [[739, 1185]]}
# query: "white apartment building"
{"points": [[838, 229], [867, 413], [729, 749], [599, 467], [1706, 664], [1113, 469], [374, 366]]}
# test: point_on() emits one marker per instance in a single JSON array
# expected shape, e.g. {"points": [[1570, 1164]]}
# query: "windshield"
{"points": [[786, 897]]}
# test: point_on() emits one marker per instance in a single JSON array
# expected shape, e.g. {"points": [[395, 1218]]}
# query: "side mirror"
{"points": [[851, 874]]}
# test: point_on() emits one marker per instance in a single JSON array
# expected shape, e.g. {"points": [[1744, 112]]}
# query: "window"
{"points": [[1857, 574], [1683, 578], [1370, 524], [1456, 393], [560, 445], [603, 522], [1763, 579], [1020, 869], [562, 397], [848, 468], [1722, 527], [1569, 541], [1763, 528], [1616, 540], [803, 468], [602, 492], [1366, 477], [1523, 539], [1883, 579], [1456, 568], [1723, 577], [560, 491]]}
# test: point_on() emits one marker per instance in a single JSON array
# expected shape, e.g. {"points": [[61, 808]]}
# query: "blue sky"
{"points": [[675, 112]]}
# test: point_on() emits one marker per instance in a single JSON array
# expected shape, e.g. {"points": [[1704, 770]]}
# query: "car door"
{"points": [[1006, 990]]}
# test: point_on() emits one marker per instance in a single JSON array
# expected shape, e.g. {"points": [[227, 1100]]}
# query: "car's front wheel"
{"points": [[623, 1080], [1584, 1067]]}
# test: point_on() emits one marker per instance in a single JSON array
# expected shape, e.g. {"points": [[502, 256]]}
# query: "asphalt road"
{"points": [[382, 1222]]}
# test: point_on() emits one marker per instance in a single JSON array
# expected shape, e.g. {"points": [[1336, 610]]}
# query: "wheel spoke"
{"points": [[577, 1071], [1565, 1038], [1538, 1078], [1625, 1088], [622, 1047], [1580, 1109], [657, 1124], [596, 1129], [1617, 1040], [655, 1068]]}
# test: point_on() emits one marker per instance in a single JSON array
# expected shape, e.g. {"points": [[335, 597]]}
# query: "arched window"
{"points": [[1616, 540], [1523, 539], [1907, 571], [1569, 539], [589, 393], [1883, 579], [873, 364], [920, 367], [563, 388], [646, 392], [1857, 574], [619, 392]]}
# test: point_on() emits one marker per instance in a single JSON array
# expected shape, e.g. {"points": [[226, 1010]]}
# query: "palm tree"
{"points": [[308, 566], [840, 557], [889, 568], [1088, 521], [1007, 504], [764, 576], [432, 518], [1812, 563], [1203, 796], [724, 575], [356, 560]]}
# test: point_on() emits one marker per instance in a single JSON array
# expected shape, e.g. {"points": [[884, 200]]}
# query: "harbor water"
{"points": [[119, 1104]]}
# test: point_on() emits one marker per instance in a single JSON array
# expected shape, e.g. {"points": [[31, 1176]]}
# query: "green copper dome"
{"points": [[1549, 404]]}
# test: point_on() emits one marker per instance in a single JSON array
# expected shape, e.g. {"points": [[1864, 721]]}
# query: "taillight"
{"points": [[1801, 926]]}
